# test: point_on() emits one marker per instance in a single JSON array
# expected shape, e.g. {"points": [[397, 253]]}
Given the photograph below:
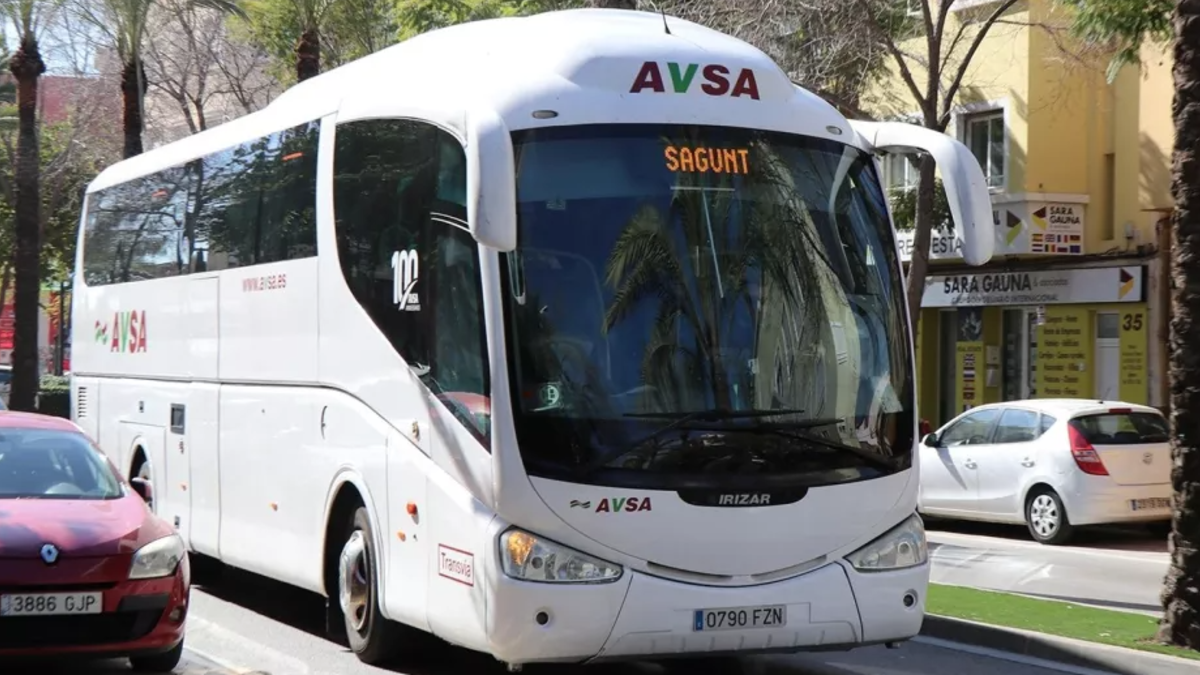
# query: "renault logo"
{"points": [[49, 554], [1148, 458]]}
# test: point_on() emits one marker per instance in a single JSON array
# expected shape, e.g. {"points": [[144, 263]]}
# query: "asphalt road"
{"points": [[282, 636], [247, 625], [1117, 568]]}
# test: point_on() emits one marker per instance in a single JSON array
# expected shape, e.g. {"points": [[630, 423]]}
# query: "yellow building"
{"points": [[1072, 305]]}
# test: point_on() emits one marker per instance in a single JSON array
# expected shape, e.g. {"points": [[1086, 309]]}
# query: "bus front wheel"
{"points": [[371, 636]]}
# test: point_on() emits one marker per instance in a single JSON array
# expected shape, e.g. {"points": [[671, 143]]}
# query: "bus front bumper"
{"points": [[641, 617]]}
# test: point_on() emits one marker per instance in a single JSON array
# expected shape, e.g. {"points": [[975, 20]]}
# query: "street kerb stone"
{"points": [[1077, 653]]}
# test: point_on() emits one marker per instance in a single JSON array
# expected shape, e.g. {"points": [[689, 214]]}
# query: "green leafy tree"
{"points": [[904, 207], [1122, 24], [305, 37], [422, 16]]}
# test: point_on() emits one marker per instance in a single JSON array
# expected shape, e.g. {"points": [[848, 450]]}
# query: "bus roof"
{"points": [[588, 65]]}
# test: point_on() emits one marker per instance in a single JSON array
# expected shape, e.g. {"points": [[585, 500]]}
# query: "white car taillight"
{"points": [[1086, 457]]}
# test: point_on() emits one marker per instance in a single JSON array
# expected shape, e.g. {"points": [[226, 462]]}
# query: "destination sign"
{"points": [[707, 160]]}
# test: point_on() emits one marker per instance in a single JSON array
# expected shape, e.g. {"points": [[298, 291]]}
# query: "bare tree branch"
{"points": [[199, 71], [956, 80]]}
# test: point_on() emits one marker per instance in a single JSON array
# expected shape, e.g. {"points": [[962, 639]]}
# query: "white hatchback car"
{"points": [[1051, 463]]}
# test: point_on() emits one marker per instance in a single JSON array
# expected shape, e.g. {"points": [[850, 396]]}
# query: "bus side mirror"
{"points": [[491, 181], [966, 187]]}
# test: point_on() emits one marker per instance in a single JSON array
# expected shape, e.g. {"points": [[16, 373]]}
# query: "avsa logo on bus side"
{"points": [[129, 332], [683, 75]]}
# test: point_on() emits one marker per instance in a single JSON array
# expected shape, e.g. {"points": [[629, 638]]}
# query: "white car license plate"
{"points": [[1151, 504], [51, 604], [739, 618]]}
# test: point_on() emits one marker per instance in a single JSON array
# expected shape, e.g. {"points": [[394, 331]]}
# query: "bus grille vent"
{"points": [[81, 402]]}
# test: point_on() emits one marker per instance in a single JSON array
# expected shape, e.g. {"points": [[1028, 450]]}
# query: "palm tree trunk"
{"points": [[1181, 589], [308, 54], [133, 93], [26, 66]]}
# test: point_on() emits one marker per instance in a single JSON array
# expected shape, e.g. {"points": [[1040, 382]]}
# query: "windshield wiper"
{"points": [[798, 433], [681, 418]]}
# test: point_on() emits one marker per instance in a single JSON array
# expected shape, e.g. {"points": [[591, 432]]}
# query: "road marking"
{"points": [[279, 661], [1009, 656]]}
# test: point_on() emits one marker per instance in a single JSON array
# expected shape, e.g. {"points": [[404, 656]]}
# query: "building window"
{"points": [[900, 172], [985, 137]]}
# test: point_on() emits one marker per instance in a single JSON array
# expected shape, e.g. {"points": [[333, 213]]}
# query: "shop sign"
{"points": [[1025, 228], [942, 245], [1046, 287]]}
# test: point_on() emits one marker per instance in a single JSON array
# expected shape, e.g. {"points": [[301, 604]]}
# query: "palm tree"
{"points": [[126, 22], [770, 238], [309, 16], [1180, 603], [27, 67]]}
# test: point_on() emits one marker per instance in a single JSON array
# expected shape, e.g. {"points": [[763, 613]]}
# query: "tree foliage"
{"points": [[904, 207], [933, 75], [343, 30], [1123, 25]]}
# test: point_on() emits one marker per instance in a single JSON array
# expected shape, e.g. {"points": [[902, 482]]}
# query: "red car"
{"points": [[85, 568]]}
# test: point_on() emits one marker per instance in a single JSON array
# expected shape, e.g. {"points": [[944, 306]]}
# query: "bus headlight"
{"points": [[900, 547], [530, 558], [157, 559]]}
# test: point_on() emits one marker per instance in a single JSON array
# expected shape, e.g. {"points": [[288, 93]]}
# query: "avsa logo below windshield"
{"points": [[615, 504], [715, 80]]}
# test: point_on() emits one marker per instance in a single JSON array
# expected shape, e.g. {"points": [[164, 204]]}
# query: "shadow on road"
{"points": [[65, 667], [1111, 537], [305, 611]]}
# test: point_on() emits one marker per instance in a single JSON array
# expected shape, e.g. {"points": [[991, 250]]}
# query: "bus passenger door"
{"points": [[406, 540]]}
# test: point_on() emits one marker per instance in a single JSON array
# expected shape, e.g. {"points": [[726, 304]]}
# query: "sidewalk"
{"points": [[1074, 653]]}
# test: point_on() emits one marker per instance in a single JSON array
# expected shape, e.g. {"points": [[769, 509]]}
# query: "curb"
{"points": [[1065, 651]]}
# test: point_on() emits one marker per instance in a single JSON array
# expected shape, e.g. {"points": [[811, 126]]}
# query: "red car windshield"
{"points": [[53, 464]]}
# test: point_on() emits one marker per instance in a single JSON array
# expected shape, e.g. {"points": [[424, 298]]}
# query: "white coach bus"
{"points": [[565, 338]]}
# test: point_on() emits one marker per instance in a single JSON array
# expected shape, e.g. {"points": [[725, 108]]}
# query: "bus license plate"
{"points": [[739, 618], [1152, 504], [51, 604]]}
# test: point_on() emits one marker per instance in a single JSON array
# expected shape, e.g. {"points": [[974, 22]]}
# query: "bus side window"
{"points": [[410, 261]]}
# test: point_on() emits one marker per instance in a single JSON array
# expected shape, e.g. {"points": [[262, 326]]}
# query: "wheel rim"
{"points": [[1044, 515], [144, 473], [354, 580]]}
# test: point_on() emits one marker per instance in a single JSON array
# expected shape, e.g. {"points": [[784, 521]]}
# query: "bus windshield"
{"points": [[704, 304]]}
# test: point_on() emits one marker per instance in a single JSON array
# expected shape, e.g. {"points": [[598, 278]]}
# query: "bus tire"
{"points": [[371, 637]]}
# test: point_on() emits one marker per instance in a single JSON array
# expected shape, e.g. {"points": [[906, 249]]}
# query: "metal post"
{"points": [[60, 348]]}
